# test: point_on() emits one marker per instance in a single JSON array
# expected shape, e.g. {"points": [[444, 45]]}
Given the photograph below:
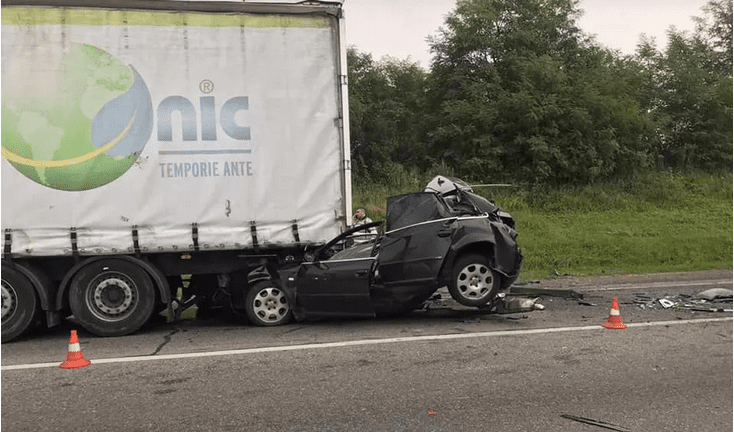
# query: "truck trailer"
{"points": [[145, 140]]}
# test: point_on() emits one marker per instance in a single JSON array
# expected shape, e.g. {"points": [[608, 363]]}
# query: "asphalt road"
{"points": [[444, 369]]}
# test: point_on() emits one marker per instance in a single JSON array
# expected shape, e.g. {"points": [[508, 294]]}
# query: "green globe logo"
{"points": [[75, 122]]}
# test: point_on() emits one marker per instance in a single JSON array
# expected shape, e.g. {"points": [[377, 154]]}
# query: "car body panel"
{"points": [[414, 254], [336, 287], [495, 236], [400, 269]]}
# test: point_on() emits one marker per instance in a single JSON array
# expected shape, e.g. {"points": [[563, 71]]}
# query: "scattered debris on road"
{"points": [[715, 294], [666, 303], [528, 297], [515, 305], [712, 300], [595, 423], [586, 303], [504, 303]]}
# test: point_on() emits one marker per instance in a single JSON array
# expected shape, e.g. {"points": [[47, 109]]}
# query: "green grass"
{"points": [[658, 222]]}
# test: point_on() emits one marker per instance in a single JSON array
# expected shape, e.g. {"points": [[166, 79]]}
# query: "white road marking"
{"points": [[642, 286], [363, 342]]}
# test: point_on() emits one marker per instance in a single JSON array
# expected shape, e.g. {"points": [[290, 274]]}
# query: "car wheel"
{"points": [[19, 303], [267, 305], [473, 283], [112, 297]]}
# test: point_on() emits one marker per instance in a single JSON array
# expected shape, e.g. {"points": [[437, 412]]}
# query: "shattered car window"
{"points": [[359, 251], [405, 210], [480, 203]]}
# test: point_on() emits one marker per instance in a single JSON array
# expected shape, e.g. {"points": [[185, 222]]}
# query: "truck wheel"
{"points": [[267, 305], [473, 283], [19, 304], [112, 297]]}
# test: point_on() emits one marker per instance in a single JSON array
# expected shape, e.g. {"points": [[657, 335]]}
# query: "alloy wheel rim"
{"points": [[475, 281], [270, 305]]}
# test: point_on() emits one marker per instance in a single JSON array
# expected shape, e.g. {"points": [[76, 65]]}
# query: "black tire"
{"points": [[473, 282], [19, 303], [112, 297], [267, 305]]}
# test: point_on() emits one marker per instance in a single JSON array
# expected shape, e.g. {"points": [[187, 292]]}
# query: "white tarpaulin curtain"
{"points": [[242, 129]]}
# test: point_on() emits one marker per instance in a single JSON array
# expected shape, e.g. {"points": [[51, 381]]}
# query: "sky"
{"points": [[399, 28]]}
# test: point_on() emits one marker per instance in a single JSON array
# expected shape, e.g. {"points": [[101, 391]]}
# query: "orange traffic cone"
{"points": [[75, 358], [615, 321]]}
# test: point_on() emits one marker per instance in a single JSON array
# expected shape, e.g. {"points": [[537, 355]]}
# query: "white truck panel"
{"points": [[243, 120]]}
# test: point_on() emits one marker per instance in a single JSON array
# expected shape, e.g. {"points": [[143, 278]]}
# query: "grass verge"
{"points": [[657, 222]]}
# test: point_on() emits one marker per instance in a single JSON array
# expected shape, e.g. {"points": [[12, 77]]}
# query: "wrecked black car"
{"points": [[443, 236]]}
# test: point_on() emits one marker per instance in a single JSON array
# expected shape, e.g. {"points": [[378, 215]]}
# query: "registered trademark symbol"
{"points": [[206, 86]]}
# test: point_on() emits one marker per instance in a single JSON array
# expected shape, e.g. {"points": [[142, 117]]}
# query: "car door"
{"points": [[336, 288], [413, 255]]}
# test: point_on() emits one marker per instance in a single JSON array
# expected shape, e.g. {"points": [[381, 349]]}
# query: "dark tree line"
{"points": [[517, 92]]}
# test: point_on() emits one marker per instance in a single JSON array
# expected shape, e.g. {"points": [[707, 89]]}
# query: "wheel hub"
{"points": [[9, 301], [112, 297], [475, 281], [270, 304]]}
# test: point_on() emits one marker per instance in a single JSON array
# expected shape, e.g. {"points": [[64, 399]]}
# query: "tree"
{"points": [[715, 28], [697, 102], [518, 92], [386, 105], [689, 91]]}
